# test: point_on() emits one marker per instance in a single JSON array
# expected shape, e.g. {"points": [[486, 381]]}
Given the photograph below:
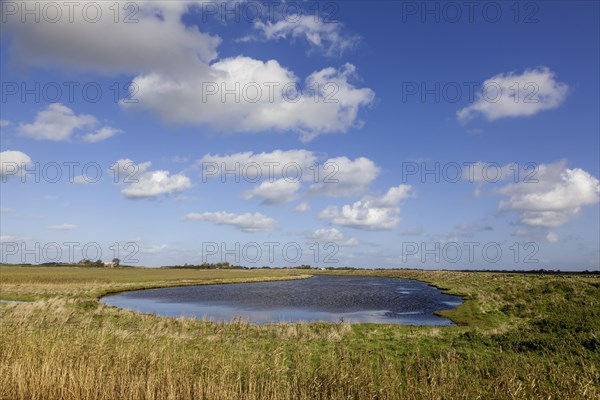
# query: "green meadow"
{"points": [[518, 336]]}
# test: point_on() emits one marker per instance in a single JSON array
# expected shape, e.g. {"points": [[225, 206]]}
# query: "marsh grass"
{"points": [[519, 337]]}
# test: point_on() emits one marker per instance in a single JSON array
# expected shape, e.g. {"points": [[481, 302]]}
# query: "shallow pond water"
{"points": [[14, 302], [330, 298]]}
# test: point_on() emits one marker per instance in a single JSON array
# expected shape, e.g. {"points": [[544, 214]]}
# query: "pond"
{"points": [[353, 299]]}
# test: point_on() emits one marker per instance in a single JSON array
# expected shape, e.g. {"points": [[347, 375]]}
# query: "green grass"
{"points": [[518, 337]]}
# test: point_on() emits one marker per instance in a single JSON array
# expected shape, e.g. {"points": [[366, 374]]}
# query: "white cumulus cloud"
{"points": [[172, 63], [341, 177], [101, 134], [58, 123], [258, 166], [370, 213], [302, 207], [268, 97], [12, 163], [155, 249], [156, 40], [334, 177], [141, 183], [63, 227], [155, 183], [556, 197], [13, 238], [276, 192], [328, 38], [247, 222], [332, 235], [83, 180], [516, 95], [128, 171], [552, 237]]}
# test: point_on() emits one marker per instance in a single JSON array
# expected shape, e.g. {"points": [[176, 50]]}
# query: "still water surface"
{"points": [[320, 298]]}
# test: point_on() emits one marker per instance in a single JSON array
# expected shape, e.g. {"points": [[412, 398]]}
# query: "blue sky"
{"points": [[500, 99]]}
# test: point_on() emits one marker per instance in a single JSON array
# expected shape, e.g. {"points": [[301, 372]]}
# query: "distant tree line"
{"points": [[500, 271], [86, 262], [226, 265], [221, 265], [531, 271]]}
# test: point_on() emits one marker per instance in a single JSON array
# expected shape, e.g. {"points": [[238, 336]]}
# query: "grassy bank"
{"points": [[519, 337]]}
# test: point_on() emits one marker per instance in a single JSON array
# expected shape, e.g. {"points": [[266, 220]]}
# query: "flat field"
{"points": [[519, 336]]}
